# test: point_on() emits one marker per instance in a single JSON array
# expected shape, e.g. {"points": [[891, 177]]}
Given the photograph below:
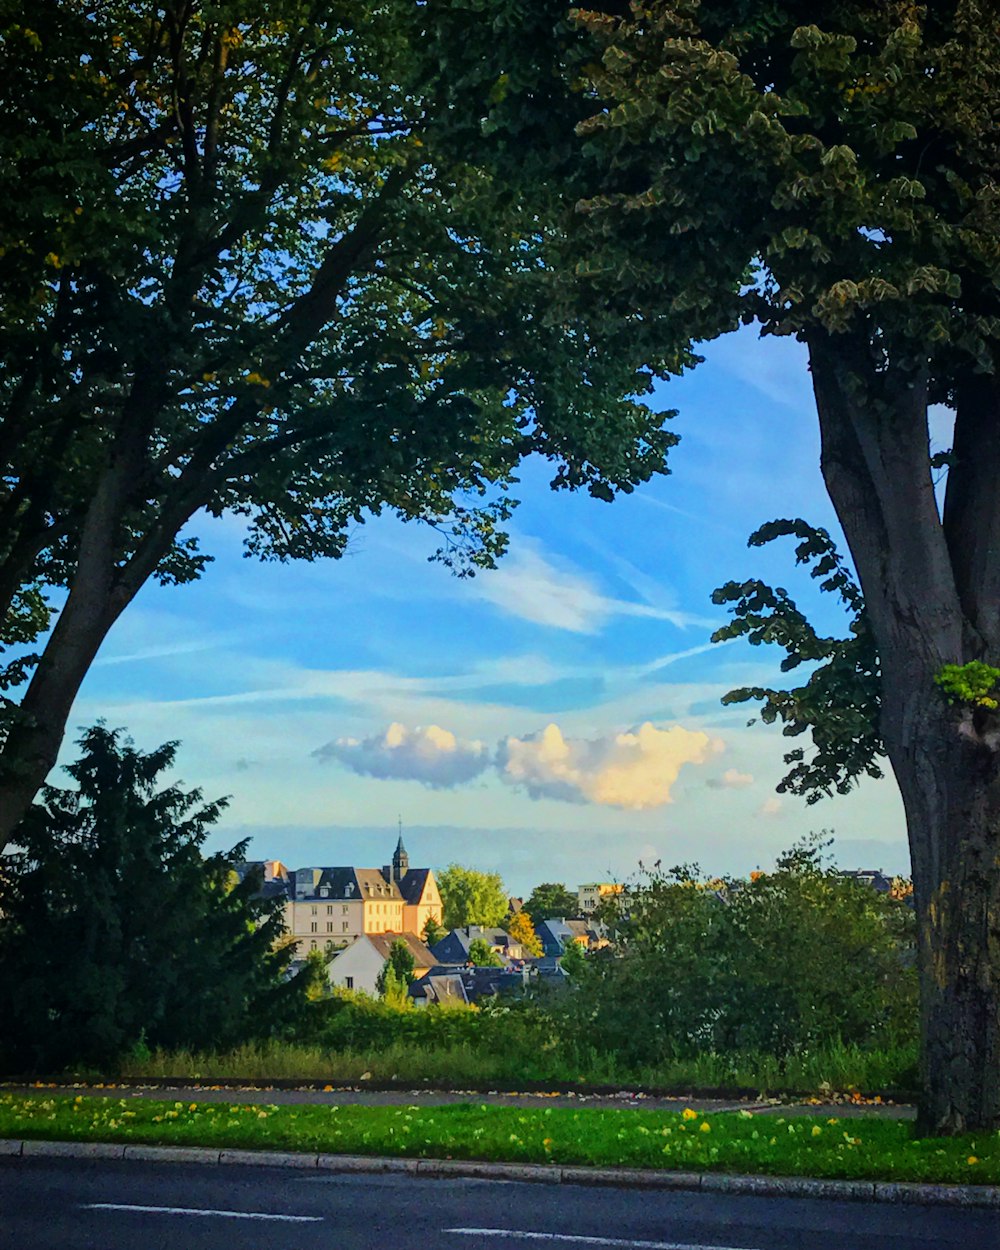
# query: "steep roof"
{"points": [[383, 943], [413, 883], [373, 885]]}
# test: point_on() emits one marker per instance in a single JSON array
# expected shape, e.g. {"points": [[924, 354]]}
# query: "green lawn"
{"points": [[822, 1146]]}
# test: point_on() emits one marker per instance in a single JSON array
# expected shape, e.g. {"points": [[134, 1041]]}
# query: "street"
{"points": [[121, 1205]]}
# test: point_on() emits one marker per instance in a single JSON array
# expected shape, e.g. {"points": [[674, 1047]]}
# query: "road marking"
{"points": [[229, 1215], [514, 1234]]}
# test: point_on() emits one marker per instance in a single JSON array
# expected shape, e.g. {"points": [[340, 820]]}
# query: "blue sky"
{"points": [[328, 699]]}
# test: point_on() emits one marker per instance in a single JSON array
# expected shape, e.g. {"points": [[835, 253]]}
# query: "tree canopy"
{"points": [[471, 897], [245, 270], [116, 931], [830, 174], [549, 901]]}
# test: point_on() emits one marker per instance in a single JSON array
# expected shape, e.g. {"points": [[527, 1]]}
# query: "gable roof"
{"points": [[383, 943]]}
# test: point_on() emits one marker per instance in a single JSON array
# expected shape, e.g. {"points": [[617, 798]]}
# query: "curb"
{"points": [[537, 1173]]}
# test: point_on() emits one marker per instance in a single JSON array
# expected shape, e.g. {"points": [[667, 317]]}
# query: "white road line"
{"points": [[514, 1234], [229, 1215]]}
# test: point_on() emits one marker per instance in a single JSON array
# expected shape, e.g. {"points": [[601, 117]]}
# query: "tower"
{"points": [[400, 859]]}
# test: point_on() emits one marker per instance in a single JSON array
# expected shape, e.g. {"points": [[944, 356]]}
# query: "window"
{"points": [[329, 911], [329, 926], [312, 929], [312, 946], [344, 926], [344, 910], [312, 911], [349, 982]]}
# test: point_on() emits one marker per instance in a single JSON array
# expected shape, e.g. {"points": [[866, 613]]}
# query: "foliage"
{"points": [[787, 961], [397, 974], [573, 960], [433, 932], [521, 929], [482, 955], [470, 897], [839, 704], [973, 684], [245, 271], [392, 988], [550, 901], [115, 931]]}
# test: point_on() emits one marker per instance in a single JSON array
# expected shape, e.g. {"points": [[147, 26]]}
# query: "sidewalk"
{"points": [[353, 1095]]}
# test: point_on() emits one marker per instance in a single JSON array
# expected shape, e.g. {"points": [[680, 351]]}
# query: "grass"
{"points": [[468, 1066], [820, 1146]]}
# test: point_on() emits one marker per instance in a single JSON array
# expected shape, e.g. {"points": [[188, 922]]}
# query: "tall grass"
{"points": [[466, 1065]]}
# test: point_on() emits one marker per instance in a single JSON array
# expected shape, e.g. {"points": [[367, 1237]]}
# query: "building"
{"points": [[453, 948], [588, 896], [329, 908], [555, 935], [358, 967]]}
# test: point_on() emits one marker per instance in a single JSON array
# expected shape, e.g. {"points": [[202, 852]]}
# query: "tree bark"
{"points": [[876, 466]]}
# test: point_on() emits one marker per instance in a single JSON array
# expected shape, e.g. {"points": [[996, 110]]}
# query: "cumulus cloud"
{"points": [[731, 779], [428, 754], [633, 770], [770, 807]]}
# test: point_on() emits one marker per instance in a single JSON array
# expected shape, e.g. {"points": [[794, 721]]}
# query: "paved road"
{"points": [[349, 1096], [100, 1205]]}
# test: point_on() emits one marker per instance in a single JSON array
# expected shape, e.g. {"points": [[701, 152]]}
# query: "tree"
{"points": [[522, 930], [829, 175], [785, 963], [398, 969], [392, 988], [245, 271], [471, 897], [482, 955], [550, 901], [573, 959], [433, 932], [115, 929]]}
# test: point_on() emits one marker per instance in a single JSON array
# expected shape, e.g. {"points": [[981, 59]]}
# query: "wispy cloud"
{"points": [[529, 585]]}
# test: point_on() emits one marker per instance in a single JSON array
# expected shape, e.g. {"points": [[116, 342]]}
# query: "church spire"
{"points": [[400, 859]]}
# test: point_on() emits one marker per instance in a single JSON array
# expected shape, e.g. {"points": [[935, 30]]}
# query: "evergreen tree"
{"points": [[398, 969], [114, 928]]}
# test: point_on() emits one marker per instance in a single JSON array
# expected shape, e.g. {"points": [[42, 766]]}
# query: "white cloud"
{"points": [[770, 807], [629, 770], [731, 779], [528, 585], [431, 755]]}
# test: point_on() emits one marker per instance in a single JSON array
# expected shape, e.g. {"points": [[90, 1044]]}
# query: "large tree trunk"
{"points": [[925, 613], [947, 772]]}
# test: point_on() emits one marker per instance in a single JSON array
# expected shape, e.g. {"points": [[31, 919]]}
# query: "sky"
{"points": [[558, 718]]}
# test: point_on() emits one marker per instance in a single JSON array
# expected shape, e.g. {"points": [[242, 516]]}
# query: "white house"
{"points": [[358, 967]]}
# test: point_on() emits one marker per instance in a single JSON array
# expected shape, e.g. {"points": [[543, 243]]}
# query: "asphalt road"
{"points": [[100, 1205]]}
